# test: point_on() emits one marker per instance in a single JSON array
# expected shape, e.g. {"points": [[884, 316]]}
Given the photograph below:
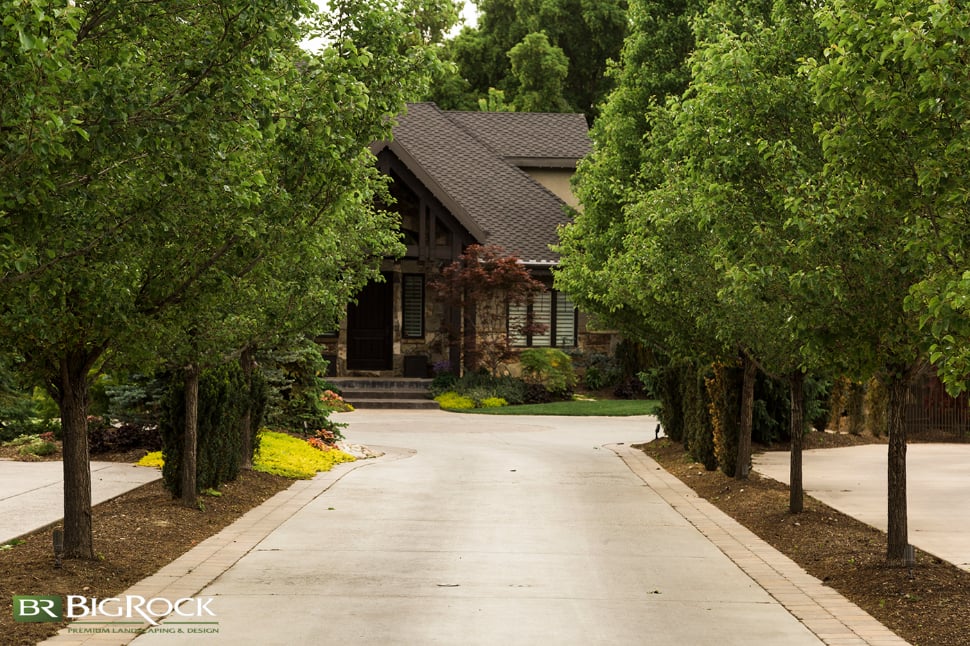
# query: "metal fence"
{"points": [[931, 413]]}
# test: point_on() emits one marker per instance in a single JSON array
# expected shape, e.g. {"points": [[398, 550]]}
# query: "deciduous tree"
{"points": [[484, 281], [586, 34], [169, 190]]}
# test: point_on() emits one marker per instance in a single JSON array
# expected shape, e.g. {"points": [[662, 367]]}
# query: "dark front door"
{"points": [[370, 324]]}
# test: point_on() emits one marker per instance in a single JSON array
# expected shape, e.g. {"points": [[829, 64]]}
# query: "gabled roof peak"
{"points": [[469, 161]]}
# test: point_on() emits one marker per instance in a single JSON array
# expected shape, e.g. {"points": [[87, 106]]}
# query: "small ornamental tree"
{"points": [[483, 282]]}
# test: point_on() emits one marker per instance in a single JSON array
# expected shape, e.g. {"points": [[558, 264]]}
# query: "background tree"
{"points": [[588, 35], [540, 70]]}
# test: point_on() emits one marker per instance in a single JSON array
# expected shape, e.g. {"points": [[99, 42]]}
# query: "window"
{"points": [[551, 309], [412, 306]]}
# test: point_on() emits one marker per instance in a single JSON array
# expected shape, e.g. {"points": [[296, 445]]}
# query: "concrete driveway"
{"points": [[491, 530], [853, 480]]}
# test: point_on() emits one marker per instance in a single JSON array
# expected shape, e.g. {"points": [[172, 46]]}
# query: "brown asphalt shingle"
{"points": [[461, 158], [529, 135]]}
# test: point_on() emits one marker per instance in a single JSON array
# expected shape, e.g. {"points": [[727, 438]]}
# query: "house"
{"points": [[460, 178]]}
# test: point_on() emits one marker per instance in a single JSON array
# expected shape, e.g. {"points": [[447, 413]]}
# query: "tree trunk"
{"points": [[71, 393], [747, 417], [797, 430], [246, 419], [188, 475], [898, 538]]}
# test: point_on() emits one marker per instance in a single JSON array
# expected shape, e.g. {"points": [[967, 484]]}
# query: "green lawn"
{"points": [[605, 407]]}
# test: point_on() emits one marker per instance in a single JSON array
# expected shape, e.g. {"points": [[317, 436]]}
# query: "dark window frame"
{"points": [[553, 324]]}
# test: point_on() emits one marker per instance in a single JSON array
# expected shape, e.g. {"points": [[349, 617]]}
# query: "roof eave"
{"points": [[543, 162], [427, 180]]}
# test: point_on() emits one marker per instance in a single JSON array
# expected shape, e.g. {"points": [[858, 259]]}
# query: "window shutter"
{"points": [[565, 321], [412, 306]]}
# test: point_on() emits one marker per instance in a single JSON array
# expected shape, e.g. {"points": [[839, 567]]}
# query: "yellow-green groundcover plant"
{"points": [[282, 455], [453, 401]]}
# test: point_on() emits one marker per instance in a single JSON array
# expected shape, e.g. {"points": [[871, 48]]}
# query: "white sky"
{"points": [[470, 13]]}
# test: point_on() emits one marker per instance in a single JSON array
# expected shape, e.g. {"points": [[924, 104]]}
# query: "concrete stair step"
{"points": [[359, 383], [350, 394], [409, 404], [386, 393]]}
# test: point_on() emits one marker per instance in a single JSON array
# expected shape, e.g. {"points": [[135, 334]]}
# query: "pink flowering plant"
{"points": [[324, 440], [335, 402]]}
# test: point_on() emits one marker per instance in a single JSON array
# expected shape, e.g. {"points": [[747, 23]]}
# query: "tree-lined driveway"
{"points": [[492, 530]]}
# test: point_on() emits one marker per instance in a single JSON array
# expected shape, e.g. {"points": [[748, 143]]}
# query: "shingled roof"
{"points": [[530, 138], [469, 161]]}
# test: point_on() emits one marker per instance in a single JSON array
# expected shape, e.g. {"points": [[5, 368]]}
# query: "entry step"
{"points": [[403, 393]]}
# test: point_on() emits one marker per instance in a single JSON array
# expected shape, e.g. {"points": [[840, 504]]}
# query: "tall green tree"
{"points": [[893, 90], [651, 67], [587, 33], [169, 186], [540, 69], [899, 128], [735, 225], [753, 134]]}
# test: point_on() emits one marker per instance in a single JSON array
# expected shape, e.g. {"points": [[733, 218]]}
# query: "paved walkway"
{"points": [[853, 480], [32, 493], [497, 530]]}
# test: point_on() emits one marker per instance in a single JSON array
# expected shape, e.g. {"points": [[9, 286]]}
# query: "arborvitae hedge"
{"points": [[259, 395], [724, 397], [667, 385], [223, 393], [701, 407], [698, 433]]}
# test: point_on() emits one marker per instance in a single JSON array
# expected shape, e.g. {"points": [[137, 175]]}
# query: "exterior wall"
{"points": [[556, 180], [411, 353], [592, 339], [433, 347]]}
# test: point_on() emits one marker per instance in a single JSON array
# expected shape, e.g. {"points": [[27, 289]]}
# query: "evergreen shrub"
{"points": [[666, 383], [295, 389], [222, 397], [698, 432], [724, 405]]}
